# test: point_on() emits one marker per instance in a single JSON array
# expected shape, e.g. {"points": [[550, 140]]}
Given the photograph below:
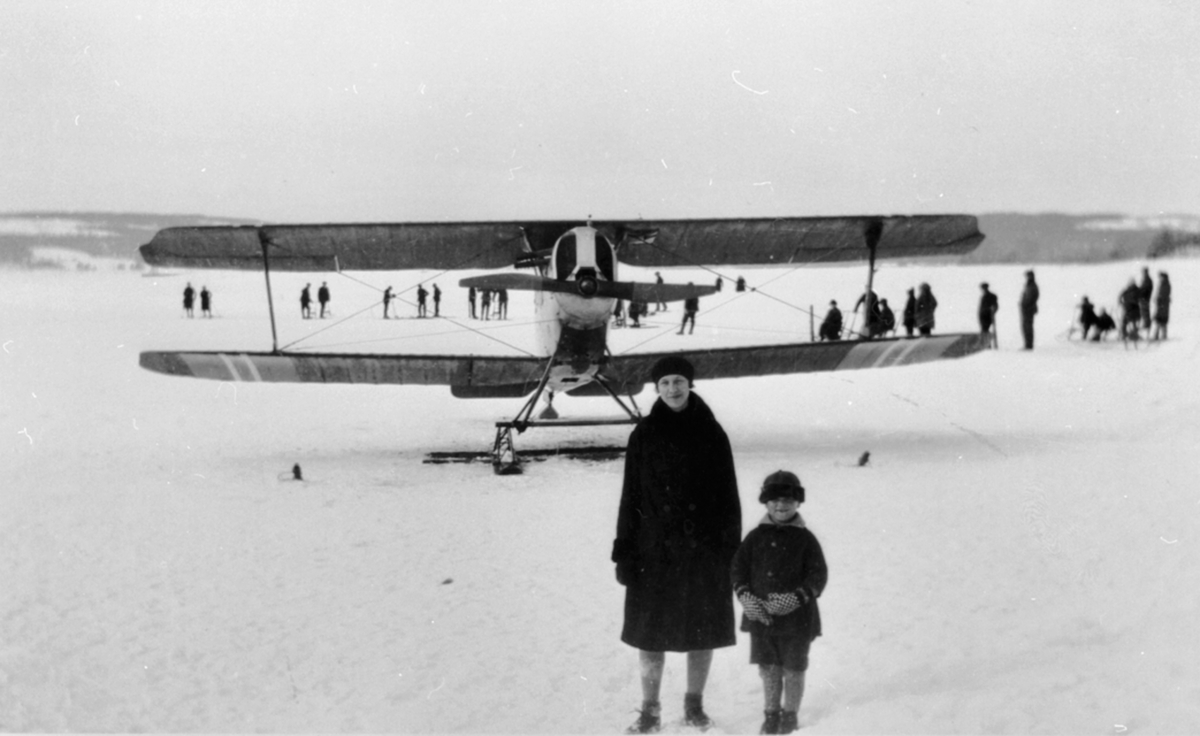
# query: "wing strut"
{"points": [[262, 239], [873, 233]]}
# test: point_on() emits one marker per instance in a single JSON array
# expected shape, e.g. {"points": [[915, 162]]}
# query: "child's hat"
{"points": [[781, 484]]}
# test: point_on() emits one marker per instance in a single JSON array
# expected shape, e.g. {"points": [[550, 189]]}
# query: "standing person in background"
{"points": [[989, 303], [387, 301], [831, 327], [678, 526], [926, 306], [1145, 292], [189, 298], [1029, 300], [691, 305], [485, 304], [502, 303], [660, 305], [1087, 317], [910, 313], [1131, 315], [306, 302], [205, 302], [422, 295], [437, 301], [887, 318], [323, 297], [1162, 305], [471, 300]]}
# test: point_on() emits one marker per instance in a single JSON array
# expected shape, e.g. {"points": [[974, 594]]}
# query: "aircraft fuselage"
{"points": [[573, 329]]}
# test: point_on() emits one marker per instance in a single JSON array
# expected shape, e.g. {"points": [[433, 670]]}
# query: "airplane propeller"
{"points": [[587, 285]]}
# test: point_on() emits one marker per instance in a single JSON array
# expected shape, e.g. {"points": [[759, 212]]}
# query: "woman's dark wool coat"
{"points": [[679, 525]]}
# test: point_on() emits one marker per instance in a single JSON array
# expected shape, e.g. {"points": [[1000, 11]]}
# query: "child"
{"points": [[778, 573]]}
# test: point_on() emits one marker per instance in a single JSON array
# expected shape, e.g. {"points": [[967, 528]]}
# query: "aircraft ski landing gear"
{"points": [[504, 455], [506, 460]]}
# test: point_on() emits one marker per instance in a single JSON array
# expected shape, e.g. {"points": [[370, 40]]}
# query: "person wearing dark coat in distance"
{"points": [[678, 526], [887, 318], [831, 327], [422, 295], [926, 307], [910, 313], [1131, 315], [1029, 300], [189, 297], [1104, 325], [1145, 292], [779, 571], [1087, 317], [306, 302], [323, 297], [205, 302], [869, 300], [989, 303], [691, 305], [1162, 306]]}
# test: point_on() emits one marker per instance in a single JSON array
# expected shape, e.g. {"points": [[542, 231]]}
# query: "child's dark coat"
{"points": [[782, 558]]}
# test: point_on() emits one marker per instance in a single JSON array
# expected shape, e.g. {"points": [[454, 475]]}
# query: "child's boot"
{"points": [[771, 722], [789, 721], [649, 718], [693, 711]]}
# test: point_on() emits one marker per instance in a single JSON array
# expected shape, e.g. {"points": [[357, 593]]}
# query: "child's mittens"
{"points": [[755, 607], [781, 604]]}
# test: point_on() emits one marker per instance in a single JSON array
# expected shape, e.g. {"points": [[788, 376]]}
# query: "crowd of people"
{"points": [[1144, 311], [189, 301], [680, 555]]}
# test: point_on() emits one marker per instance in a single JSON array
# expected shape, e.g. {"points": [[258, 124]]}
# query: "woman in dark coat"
{"points": [[678, 527], [910, 313], [926, 305]]}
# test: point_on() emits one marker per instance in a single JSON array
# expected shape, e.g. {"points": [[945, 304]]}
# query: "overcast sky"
{"points": [[373, 111]]}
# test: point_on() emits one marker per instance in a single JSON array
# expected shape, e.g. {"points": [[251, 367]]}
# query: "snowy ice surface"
{"points": [[1021, 555]]}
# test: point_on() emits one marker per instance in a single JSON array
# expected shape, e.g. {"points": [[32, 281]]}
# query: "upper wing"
{"points": [[794, 239], [809, 357], [483, 245], [387, 247]]}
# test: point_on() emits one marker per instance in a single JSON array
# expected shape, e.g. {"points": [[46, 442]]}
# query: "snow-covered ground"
{"points": [[1021, 555]]}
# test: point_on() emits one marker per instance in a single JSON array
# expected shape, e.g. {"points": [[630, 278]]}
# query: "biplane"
{"points": [[572, 268]]}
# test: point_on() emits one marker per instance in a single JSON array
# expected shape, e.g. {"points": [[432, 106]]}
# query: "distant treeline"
{"points": [[1011, 237]]}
